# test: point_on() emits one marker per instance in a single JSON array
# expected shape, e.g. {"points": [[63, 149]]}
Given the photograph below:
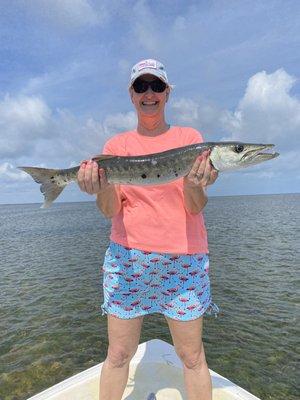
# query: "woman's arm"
{"points": [[109, 200], [195, 198], [91, 179], [194, 184]]}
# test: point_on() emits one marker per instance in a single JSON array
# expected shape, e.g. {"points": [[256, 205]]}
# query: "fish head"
{"points": [[228, 156]]}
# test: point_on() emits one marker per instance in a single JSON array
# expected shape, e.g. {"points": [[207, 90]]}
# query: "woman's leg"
{"points": [[123, 336], [187, 339]]}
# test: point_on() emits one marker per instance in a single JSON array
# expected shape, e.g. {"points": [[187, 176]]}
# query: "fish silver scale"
{"points": [[153, 168]]}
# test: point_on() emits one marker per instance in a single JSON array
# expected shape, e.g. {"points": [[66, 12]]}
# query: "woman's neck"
{"points": [[152, 126]]}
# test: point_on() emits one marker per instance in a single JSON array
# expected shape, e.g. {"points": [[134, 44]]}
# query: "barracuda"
{"points": [[154, 169]]}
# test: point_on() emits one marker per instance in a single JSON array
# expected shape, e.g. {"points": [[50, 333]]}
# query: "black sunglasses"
{"points": [[141, 86]]}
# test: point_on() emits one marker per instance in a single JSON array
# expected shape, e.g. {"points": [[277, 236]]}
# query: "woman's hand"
{"points": [[202, 172], [91, 179]]}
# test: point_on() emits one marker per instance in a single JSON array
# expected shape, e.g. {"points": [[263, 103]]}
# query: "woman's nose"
{"points": [[149, 91]]}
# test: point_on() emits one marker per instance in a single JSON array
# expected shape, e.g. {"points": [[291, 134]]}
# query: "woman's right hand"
{"points": [[91, 179]]}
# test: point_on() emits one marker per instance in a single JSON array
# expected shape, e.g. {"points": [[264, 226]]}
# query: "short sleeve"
{"points": [[193, 136], [114, 146], [108, 148]]}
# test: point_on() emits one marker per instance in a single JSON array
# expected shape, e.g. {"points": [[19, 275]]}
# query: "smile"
{"points": [[149, 103]]}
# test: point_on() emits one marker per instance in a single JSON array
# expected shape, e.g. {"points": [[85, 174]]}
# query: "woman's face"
{"points": [[149, 103]]}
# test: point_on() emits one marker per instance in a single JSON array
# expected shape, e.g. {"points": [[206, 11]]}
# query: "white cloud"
{"points": [[9, 173], [119, 122], [33, 134], [30, 130], [267, 112], [147, 34], [186, 110], [81, 138], [54, 80], [23, 121], [203, 115], [69, 13]]}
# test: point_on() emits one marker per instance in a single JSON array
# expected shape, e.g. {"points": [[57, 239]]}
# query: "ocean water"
{"points": [[51, 326]]}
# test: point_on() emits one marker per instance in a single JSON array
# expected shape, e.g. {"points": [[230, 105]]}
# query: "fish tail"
{"points": [[50, 187]]}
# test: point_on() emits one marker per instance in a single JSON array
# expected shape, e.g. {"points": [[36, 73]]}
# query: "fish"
{"points": [[156, 168]]}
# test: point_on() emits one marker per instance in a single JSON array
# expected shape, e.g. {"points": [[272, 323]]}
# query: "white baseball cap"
{"points": [[149, 66]]}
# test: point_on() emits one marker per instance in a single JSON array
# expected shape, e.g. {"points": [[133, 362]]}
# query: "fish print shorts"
{"points": [[137, 283]]}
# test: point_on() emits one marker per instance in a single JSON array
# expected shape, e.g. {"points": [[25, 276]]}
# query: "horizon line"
{"points": [[213, 196]]}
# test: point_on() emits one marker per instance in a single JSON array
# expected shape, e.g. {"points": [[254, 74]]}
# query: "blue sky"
{"points": [[65, 67]]}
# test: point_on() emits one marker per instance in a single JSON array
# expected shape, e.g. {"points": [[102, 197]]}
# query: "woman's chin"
{"points": [[150, 112]]}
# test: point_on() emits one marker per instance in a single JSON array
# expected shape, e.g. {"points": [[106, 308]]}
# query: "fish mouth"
{"points": [[258, 153]]}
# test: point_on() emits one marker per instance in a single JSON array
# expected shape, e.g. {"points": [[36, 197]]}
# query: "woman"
{"points": [[157, 260]]}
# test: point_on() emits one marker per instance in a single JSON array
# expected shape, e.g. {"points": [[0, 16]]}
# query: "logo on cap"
{"points": [[147, 64]]}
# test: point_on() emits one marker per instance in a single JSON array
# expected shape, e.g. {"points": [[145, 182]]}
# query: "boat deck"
{"points": [[155, 374]]}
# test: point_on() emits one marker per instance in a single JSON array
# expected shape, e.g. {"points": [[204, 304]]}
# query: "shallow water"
{"points": [[50, 293]]}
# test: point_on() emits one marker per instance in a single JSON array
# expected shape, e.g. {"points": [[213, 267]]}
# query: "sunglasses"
{"points": [[141, 86]]}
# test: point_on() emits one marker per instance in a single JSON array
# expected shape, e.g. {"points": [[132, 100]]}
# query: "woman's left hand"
{"points": [[202, 172]]}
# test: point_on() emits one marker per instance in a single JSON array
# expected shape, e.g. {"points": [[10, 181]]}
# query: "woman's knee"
{"points": [[119, 356], [192, 358]]}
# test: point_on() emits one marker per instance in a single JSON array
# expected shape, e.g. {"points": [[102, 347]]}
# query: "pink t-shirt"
{"points": [[153, 218]]}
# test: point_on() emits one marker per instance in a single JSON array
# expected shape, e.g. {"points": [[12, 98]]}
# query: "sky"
{"points": [[65, 66]]}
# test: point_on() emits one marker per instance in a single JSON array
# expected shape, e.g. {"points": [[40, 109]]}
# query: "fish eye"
{"points": [[239, 148]]}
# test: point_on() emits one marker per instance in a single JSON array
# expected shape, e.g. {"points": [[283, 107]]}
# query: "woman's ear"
{"points": [[167, 94], [131, 93]]}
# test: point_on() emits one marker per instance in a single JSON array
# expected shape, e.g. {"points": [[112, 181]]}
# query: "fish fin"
{"points": [[46, 177], [100, 157]]}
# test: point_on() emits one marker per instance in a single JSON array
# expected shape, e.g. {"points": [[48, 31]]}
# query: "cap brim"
{"points": [[149, 71]]}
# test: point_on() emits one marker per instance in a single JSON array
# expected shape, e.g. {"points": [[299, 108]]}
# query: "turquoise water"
{"points": [[50, 293]]}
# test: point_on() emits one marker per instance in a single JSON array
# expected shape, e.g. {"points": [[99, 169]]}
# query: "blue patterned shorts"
{"points": [[137, 283]]}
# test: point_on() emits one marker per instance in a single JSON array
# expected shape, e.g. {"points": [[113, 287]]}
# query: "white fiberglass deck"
{"points": [[155, 369]]}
